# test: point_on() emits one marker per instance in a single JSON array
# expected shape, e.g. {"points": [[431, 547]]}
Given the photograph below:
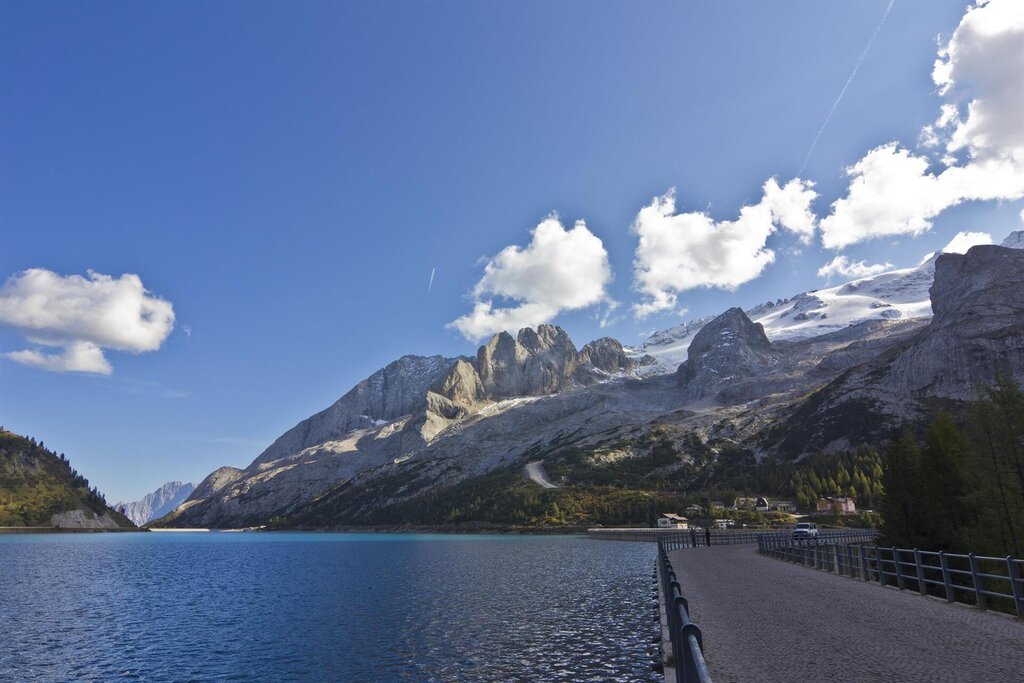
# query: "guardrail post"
{"points": [[1015, 590], [979, 595], [834, 559], [863, 564], [920, 572], [947, 581], [897, 568]]}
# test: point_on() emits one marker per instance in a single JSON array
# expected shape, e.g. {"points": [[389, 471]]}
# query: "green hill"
{"points": [[40, 488]]}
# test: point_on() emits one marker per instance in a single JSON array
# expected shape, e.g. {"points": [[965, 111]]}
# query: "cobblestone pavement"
{"points": [[769, 621]]}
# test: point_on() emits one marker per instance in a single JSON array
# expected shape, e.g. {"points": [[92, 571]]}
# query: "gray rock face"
{"points": [[215, 481], [396, 390], [1015, 240], [607, 355], [83, 519], [536, 363], [158, 503], [728, 348], [977, 329]]}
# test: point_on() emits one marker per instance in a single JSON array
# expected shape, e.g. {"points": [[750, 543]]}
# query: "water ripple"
{"points": [[277, 607]]}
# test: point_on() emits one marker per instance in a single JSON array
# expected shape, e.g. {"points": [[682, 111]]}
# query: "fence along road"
{"points": [[766, 620]]}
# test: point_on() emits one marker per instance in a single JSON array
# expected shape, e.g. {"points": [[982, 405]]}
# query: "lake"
{"points": [[324, 607]]}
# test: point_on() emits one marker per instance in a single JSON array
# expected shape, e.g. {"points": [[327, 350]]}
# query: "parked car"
{"points": [[805, 530]]}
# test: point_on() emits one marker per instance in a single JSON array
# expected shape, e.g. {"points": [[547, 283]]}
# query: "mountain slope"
{"points": [[156, 504], [612, 433], [460, 399], [39, 488], [977, 331]]}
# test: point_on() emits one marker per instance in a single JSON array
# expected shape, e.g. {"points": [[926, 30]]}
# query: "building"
{"points": [[839, 506], [782, 506], [694, 509], [670, 520], [725, 523], [744, 504], [717, 505], [762, 504]]}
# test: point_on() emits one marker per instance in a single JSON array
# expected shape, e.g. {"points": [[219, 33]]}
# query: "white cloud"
{"points": [[559, 270], [979, 127], [679, 252], [82, 316], [76, 357], [965, 240], [846, 268]]}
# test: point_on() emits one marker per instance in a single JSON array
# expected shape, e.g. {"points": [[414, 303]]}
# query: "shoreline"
{"points": [[67, 530]]}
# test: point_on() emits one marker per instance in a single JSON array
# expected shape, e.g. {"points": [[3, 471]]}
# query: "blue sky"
{"points": [[287, 175]]}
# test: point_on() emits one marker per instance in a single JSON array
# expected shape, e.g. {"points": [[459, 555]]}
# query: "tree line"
{"points": [[960, 488]]}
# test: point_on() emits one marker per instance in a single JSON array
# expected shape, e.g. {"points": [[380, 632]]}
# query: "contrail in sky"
{"points": [[835, 105], [431, 282]]}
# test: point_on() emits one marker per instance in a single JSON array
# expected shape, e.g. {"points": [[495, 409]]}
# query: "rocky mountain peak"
{"points": [[607, 355], [983, 287], [537, 362], [396, 390], [157, 503], [728, 348], [1015, 240], [732, 327]]}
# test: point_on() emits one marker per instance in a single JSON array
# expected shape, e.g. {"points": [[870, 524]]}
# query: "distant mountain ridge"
{"points": [[156, 504]]}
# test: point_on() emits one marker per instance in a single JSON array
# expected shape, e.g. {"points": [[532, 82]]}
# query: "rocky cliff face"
{"points": [[535, 363], [607, 355], [977, 331], [728, 348], [396, 390], [156, 504]]}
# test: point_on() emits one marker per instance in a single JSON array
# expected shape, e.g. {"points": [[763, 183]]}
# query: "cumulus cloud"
{"points": [[854, 270], [965, 240], [82, 316], [677, 252], [979, 134], [559, 270]]}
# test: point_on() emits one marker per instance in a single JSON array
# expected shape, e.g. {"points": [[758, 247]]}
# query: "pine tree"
{"points": [[944, 484], [900, 507]]}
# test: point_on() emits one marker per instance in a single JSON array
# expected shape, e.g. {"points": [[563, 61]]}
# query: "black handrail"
{"points": [[685, 636]]}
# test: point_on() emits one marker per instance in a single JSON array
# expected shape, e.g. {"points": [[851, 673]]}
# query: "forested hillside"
{"points": [[40, 488]]}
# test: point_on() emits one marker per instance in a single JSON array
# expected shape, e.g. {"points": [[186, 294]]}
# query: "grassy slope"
{"points": [[35, 483]]}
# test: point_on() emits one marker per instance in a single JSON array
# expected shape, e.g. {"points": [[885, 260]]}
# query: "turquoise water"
{"points": [[323, 607]]}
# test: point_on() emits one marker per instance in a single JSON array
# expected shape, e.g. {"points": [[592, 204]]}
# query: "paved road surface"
{"points": [[768, 621], [535, 471]]}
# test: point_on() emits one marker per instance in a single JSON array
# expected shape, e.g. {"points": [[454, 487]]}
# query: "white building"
{"points": [[670, 520]]}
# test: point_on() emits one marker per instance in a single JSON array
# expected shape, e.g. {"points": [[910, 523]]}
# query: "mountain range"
{"points": [[820, 372], [157, 503]]}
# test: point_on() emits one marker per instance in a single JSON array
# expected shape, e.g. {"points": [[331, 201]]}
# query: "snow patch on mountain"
{"points": [[894, 295]]}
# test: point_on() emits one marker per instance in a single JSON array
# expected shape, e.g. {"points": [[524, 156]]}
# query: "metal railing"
{"points": [[686, 539], [986, 582], [685, 636]]}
